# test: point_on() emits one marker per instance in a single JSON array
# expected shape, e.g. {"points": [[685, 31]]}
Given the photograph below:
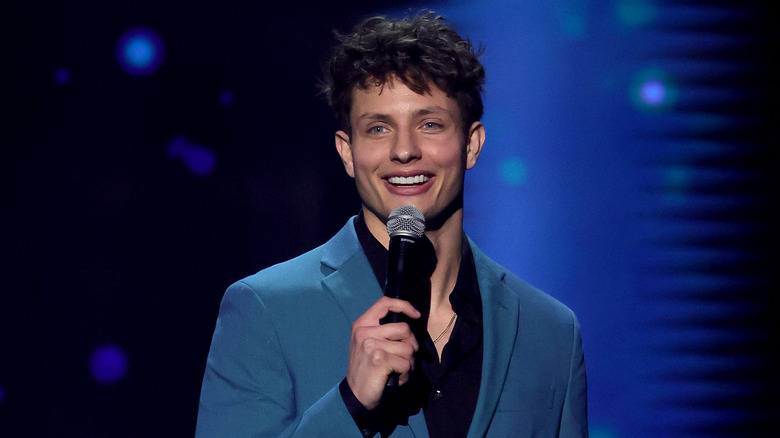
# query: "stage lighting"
{"points": [[653, 90], [108, 364], [225, 98], [199, 160], [62, 76], [635, 13], [513, 171], [140, 51]]}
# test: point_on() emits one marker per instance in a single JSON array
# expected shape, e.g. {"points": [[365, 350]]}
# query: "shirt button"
{"points": [[437, 395]]}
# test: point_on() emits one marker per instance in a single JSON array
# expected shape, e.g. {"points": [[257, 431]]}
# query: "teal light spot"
{"points": [[601, 432], [710, 122], [676, 183], [513, 171], [653, 90], [573, 25], [636, 13]]}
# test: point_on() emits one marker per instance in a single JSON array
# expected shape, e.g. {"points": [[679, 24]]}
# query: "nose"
{"points": [[405, 148]]}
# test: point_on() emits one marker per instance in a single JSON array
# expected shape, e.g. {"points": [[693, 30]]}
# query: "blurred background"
{"points": [[156, 151]]}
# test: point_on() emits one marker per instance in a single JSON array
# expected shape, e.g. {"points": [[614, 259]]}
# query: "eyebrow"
{"points": [[420, 112]]}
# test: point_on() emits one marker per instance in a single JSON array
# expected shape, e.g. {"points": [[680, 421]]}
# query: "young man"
{"points": [[299, 349]]}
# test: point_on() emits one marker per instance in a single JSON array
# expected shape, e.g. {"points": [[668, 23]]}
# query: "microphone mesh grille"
{"points": [[406, 220]]}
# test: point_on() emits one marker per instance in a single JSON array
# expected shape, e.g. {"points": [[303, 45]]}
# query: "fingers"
{"points": [[396, 339], [373, 359], [377, 351], [382, 307]]}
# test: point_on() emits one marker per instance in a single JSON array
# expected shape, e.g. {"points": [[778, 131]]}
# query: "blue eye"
{"points": [[376, 129]]}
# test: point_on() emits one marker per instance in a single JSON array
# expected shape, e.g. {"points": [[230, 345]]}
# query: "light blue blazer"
{"points": [[281, 347]]}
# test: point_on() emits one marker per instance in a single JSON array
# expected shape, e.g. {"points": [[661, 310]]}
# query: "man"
{"points": [[299, 349]]}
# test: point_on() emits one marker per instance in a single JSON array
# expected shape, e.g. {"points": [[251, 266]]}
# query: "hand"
{"points": [[376, 351]]}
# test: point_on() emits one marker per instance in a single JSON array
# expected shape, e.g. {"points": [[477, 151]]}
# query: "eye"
{"points": [[377, 129], [431, 126]]}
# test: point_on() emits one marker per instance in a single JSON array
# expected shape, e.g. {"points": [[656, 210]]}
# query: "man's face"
{"points": [[408, 149]]}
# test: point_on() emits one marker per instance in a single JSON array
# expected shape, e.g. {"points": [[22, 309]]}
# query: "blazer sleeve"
{"points": [[248, 390], [574, 419]]}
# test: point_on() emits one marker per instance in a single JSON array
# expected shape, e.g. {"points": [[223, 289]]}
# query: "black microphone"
{"points": [[405, 225]]}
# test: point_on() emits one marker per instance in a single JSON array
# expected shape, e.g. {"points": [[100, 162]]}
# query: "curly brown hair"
{"points": [[419, 51]]}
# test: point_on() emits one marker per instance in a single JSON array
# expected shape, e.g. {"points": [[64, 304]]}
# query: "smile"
{"points": [[407, 180]]}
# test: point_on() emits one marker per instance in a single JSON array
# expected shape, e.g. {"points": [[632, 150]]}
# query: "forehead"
{"points": [[394, 97]]}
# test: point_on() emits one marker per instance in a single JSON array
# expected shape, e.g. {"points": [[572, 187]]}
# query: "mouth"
{"points": [[407, 180]]}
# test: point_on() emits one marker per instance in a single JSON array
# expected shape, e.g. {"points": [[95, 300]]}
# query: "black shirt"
{"points": [[446, 390]]}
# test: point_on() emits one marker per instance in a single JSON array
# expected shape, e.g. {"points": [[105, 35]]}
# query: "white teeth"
{"points": [[407, 180]]}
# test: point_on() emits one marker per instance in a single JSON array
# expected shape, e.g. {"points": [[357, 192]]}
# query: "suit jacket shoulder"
{"points": [[300, 275], [281, 345], [529, 297]]}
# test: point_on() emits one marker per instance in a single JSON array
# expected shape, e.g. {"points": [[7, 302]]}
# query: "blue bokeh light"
{"points": [[653, 90], [200, 161], [140, 51], [108, 364], [2, 394]]}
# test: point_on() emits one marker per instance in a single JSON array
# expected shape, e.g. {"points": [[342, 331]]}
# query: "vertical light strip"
{"points": [[711, 226]]}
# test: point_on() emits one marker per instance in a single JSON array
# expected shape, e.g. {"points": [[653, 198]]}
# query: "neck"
{"points": [[446, 241]]}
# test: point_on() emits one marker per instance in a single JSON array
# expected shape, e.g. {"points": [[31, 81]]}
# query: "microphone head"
{"points": [[406, 220]]}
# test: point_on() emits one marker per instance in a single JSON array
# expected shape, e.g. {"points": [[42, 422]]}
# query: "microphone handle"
{"points": [[401, 265]]}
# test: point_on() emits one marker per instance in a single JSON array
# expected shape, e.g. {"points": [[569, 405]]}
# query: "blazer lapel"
{"points": [[348, 276], [499, 318]]}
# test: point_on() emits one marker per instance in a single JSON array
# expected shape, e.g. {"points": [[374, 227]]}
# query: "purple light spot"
{"points": [[199, 160], [62, 76], [108, 364], [653, 92], [226, 98], [140, 51], [2, 394]]}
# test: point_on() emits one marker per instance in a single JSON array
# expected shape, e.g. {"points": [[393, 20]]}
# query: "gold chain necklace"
{"points": [[449, 324]]}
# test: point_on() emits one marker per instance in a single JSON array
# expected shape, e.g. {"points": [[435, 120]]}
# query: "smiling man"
{"points": [[299, 349]]}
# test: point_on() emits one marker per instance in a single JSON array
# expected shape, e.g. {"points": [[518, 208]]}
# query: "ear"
{"points": [[344, 149], [474, 143]]}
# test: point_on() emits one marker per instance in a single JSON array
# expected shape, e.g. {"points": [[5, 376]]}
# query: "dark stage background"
{"points": [[155, 152]]}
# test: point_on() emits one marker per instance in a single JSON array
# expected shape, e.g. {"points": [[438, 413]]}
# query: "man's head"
{"points": [[407, 94], [420, 51]]}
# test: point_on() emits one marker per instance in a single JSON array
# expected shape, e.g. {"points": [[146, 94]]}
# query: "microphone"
{"points": [[405, 225]]}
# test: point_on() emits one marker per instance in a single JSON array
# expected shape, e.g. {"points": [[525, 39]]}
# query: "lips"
{"points": [[407, 180]]}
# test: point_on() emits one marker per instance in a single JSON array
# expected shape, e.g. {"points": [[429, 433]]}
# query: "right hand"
{"points": [[376, 351]]}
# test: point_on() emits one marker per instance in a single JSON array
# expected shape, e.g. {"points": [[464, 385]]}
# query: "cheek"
{"points": [[366, 161], [449, 157]]}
